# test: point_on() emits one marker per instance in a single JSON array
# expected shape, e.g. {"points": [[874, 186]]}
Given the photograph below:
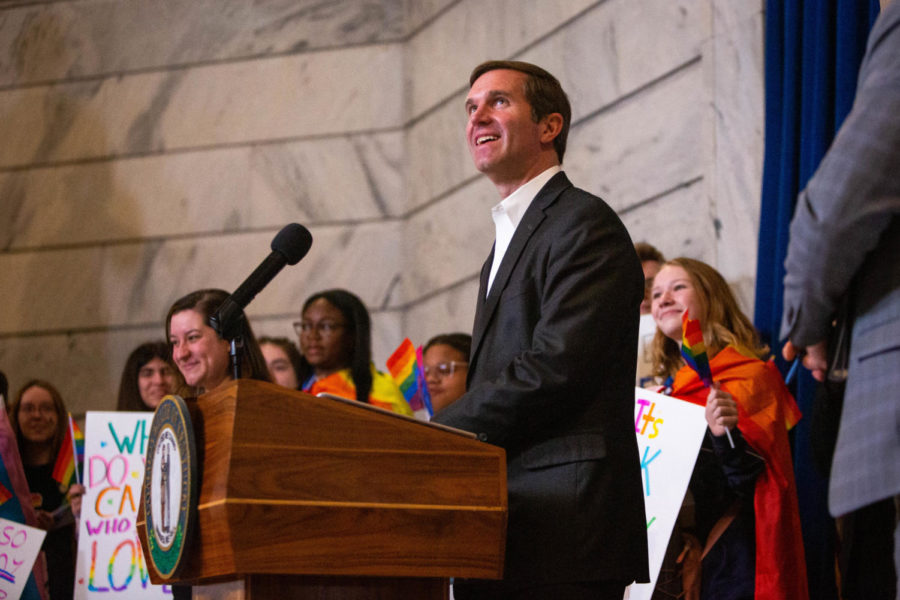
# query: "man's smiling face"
{"points": [[502, 136]]}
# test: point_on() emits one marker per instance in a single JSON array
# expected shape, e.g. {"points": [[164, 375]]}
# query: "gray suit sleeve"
{"points": [[852, 197]]}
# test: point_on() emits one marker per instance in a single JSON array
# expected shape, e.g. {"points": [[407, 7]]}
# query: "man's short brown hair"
{"points": [[543, 92]]}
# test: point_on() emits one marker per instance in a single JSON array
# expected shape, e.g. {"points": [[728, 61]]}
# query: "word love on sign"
{"points": [[669, 434], [110, 560], [19, 546]]}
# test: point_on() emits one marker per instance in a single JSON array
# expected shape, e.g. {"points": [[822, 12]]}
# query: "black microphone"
{"points": [[289, 246]]}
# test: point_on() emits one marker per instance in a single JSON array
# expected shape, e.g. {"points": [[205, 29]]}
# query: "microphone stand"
{"points": [[230, 332], [237, 343]]}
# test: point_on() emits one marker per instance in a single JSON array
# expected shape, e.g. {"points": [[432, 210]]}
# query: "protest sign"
{"points": [[110, 560], [19, 546], [669, 434]]}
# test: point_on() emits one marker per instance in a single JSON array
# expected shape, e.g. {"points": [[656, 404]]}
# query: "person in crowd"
{"points": [[147, 377], [651, 261], [283, 360], [554, 347], [843, 265], [336, 344], [200, 354], [746, 517], [445, 360], [40, 420], [203, 358]]}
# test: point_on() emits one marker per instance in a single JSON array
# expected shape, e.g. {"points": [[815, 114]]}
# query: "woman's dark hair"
{"points": [[290, 349], [359, 327], [129, 392], [62, 415], [461, 342], [205, 302]]}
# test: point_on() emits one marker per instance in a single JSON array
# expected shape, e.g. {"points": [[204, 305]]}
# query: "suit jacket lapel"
{"points": [[485, 307], [477, 330]]}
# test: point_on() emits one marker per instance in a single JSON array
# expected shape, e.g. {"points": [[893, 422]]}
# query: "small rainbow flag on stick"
{"points": [[694, 352], [65, 470], [693, 349], [405, 366]]}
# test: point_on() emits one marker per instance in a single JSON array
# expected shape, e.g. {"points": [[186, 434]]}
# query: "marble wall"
{"points": [[150, 149]]}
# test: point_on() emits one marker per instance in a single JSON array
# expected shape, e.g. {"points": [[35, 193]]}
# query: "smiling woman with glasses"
{"points": [[446, 367], [40, 421], [335, 335]]}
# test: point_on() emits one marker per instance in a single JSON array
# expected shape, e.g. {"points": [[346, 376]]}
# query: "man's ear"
{"points": [[551, 126]]}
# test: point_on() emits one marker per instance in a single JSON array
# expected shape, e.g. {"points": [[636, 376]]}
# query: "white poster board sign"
{"points": [[19, 546], [669, 434], [110, 561]]}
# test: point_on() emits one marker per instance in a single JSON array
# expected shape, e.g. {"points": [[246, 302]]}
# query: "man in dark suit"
{"points": [[845, 247], [551, 371]]}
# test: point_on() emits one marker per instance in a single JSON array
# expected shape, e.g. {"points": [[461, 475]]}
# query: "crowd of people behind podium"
{"points": [[334, 356]]}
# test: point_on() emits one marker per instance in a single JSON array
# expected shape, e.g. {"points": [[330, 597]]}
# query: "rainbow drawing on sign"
{"points": [[111, 560]]}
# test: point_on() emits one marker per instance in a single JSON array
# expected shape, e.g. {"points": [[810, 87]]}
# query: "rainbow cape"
{"points": [[65, 470], [405, 366], [384, 394], [766, 411], [693, 349]]}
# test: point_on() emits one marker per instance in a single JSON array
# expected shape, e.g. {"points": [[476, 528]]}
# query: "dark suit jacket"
{"points": [[845, 243], [551, 380]]}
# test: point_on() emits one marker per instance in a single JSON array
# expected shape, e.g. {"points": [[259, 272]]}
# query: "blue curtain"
{"points": [[813, 51]]}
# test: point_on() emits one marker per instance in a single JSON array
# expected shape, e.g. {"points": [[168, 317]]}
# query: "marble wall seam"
{"points": [[436, 292], [415, 19], [84, 40], [652, 199], [337, 92], [661, 79], [250, 144]]}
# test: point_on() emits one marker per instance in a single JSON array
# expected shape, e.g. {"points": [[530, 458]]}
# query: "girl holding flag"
{"points": [[41, 425], [746, 522]]}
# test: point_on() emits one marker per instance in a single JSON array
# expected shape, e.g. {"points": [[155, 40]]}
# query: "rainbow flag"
{"points": [[65, 471], [693, 349], [405, 366]]}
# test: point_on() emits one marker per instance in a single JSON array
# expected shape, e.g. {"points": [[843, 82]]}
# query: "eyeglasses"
{"points": [[444, 369], [29, 409], [323, 328]]}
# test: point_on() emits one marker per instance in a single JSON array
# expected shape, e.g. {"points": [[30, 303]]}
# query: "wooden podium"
{"points": [[306, 497]]}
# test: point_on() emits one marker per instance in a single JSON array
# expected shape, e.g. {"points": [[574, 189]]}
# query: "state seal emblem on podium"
{"points": [[170, 486]]}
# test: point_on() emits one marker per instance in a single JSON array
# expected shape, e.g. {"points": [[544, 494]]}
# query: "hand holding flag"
{"points": [[405, 367], [694, 352]]}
